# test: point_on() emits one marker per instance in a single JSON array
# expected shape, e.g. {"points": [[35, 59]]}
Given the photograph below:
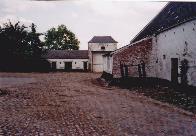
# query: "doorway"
{"points": [[68, 66], [174, 70], [53, 66], [85, 66]]}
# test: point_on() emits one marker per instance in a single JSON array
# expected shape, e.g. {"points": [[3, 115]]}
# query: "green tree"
{"points": [[35, 46], [12, 39], [61, 38], [21, 48], [17, 41]]}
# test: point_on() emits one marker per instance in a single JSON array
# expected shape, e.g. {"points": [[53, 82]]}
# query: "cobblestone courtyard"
{"points": [[75, 104]]}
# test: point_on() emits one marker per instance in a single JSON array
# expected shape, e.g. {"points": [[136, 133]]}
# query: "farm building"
{"points": [[91, 59], [97, 47], [165, 48], [67, 59]]}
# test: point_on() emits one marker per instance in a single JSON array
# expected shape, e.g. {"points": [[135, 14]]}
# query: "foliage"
{"points": [[61, 38], [20, 46], [17, 42]]}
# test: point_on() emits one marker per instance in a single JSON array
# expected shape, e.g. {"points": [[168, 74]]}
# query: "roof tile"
{"points": [[102, 39], [66, 54]]}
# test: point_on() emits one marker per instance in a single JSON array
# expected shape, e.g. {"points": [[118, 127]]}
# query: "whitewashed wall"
{"points": [[76, 63], [108, 64], [96, 54], [97, 62], [97, 46], [178, 42]]}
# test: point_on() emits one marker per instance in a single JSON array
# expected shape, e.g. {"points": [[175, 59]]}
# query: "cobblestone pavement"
{"points": [[75, 104]]}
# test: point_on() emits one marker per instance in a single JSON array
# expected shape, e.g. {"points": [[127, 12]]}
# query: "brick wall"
{"points": [[132, 55]]}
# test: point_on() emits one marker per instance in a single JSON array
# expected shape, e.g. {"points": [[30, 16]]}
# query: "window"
{"points": [[102, 48]]}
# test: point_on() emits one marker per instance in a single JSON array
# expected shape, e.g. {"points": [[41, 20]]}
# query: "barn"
{"points": [[91, 59], [165, 48], [67, 60]]}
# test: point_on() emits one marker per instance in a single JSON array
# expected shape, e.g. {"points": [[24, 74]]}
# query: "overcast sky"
{"points": [[86, 18]]}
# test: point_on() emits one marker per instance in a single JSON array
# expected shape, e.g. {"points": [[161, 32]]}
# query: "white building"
{"points": [[67, 60], [91, 59], [167, 46], [175, 46], [97, 47]]}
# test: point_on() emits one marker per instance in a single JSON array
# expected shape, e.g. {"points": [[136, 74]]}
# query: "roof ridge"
{"points": [[172, 14], [102, 39]]}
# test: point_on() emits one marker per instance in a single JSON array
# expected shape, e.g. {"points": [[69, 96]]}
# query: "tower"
{"points": [[97, 47]]}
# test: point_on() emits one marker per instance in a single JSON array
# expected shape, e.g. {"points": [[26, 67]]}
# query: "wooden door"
{"points": [[174, 70], [85, 65], [68, 66], [53, 66]]}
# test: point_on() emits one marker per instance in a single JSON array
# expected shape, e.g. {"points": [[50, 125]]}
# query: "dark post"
{"points": [[143, 68], [139, 70], [122, 70], [126, 70], [183, 72]]}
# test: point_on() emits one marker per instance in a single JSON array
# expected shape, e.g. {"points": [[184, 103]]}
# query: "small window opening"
{"points": [[75, 62], [102, 47]]}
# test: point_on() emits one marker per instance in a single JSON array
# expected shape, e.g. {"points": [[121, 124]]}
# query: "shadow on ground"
{"points": [[159, 89]]}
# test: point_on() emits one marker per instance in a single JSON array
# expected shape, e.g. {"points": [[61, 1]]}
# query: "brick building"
{"points": [[165, 48]]}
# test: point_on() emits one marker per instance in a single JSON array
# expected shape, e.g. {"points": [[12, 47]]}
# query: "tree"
{"points": [[20, 47], [17, 41], [12, 39], [35, 46], [61, 38]]}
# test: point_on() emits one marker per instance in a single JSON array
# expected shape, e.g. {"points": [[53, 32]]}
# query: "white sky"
{"points": [[86, 18]]}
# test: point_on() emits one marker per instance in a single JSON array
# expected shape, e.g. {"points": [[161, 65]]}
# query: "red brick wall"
{"points": [[132, 55]]}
